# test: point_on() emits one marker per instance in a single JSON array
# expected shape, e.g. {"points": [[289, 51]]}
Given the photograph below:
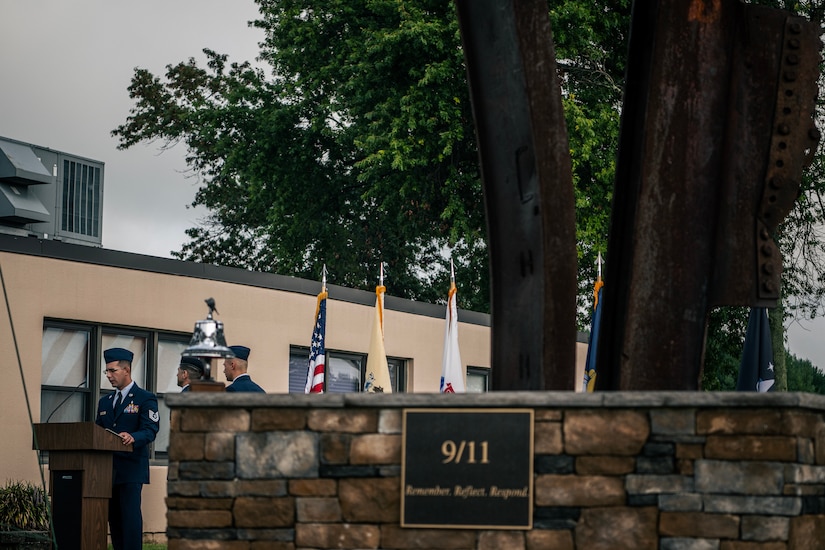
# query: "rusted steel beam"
{"points": [[716, 127], [528, 191]]}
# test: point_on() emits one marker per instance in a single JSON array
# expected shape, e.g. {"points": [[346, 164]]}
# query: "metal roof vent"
{"points": [[20, 166]]}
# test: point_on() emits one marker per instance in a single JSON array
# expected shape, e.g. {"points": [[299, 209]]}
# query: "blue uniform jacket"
{"points": [[244, 383], [138, 415]]}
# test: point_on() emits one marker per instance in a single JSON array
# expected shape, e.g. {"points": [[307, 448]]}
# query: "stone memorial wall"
{"points": [[658, 470]]}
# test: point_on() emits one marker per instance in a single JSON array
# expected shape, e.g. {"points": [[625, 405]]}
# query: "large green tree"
{"points": [[355, 145], [804, 376]]}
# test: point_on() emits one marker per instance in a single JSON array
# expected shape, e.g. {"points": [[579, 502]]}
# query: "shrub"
{"points": [[23, 507]]}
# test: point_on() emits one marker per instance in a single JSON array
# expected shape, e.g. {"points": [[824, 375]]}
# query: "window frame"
{"points": [[95, 366], [483, 372], [400, 364], [92, 376]]}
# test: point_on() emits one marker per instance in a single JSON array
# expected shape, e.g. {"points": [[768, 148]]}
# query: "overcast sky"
{"points": [[65, 66]]}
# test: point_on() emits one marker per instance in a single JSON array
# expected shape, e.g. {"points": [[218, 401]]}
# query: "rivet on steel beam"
{"points": [[776, 182], [790, 76], [793, 43], [767, 268], [795, 28], [767, 286], [767, 251], [792, 59], [764, 234], [784, 129]]}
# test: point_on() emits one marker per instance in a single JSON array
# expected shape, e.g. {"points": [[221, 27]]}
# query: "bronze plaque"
{"points": [[467, 468]]}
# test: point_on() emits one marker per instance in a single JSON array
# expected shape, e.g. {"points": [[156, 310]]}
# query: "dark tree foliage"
{"points": [[591, 41], [357, 149], [804, 376], [357, 146], [723, 349]]}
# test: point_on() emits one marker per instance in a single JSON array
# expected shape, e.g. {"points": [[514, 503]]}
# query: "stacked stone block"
{"points": [[668, 471]]}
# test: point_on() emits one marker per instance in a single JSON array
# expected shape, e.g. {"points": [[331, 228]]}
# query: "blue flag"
{"points": [[590, 362], [756, 371]]}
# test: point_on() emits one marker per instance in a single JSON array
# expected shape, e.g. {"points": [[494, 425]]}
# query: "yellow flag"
{"points": [[377, 377]]}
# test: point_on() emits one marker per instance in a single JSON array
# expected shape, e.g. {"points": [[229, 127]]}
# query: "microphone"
{"points": [[71, 393]]}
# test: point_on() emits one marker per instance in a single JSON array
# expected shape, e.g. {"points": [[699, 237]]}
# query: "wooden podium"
{"points": [[80, 480]]}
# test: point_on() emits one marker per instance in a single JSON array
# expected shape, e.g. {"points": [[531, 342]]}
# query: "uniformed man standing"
{"points": [[190, 368], [132, 412], [235, 369]]}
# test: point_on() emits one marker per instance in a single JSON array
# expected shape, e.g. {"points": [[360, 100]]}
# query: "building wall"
{"points": [[71, 282]]}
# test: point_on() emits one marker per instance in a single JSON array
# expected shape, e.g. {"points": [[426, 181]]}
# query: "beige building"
{"points": [[66, 303], [66, 300]]}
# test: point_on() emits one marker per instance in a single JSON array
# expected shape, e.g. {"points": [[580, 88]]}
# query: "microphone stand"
{"points": [[71, 393]]}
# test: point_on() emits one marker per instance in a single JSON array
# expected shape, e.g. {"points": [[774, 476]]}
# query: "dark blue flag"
{"points": [[756, 371], [590, 362]]}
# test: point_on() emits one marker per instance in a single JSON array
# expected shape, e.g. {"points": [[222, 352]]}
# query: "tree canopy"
{"points": [[357, 146]]}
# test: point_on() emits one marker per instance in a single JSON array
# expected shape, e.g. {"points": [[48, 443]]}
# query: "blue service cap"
{"points": [[118, 354], [192, 362], [241, 352]]}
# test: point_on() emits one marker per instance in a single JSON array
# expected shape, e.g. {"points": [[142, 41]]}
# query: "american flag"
{"points": [[317, 349]]}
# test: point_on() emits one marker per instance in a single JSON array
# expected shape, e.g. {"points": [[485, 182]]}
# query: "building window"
{"points": [[478, 379], [398, 374], [81, 198], [345, 371], [72, 370], [134, 343], [66, 394], [169, 349], [344, 374]]}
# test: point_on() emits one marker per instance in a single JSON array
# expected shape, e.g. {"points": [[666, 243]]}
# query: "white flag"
{"points": [[452, 373]]}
